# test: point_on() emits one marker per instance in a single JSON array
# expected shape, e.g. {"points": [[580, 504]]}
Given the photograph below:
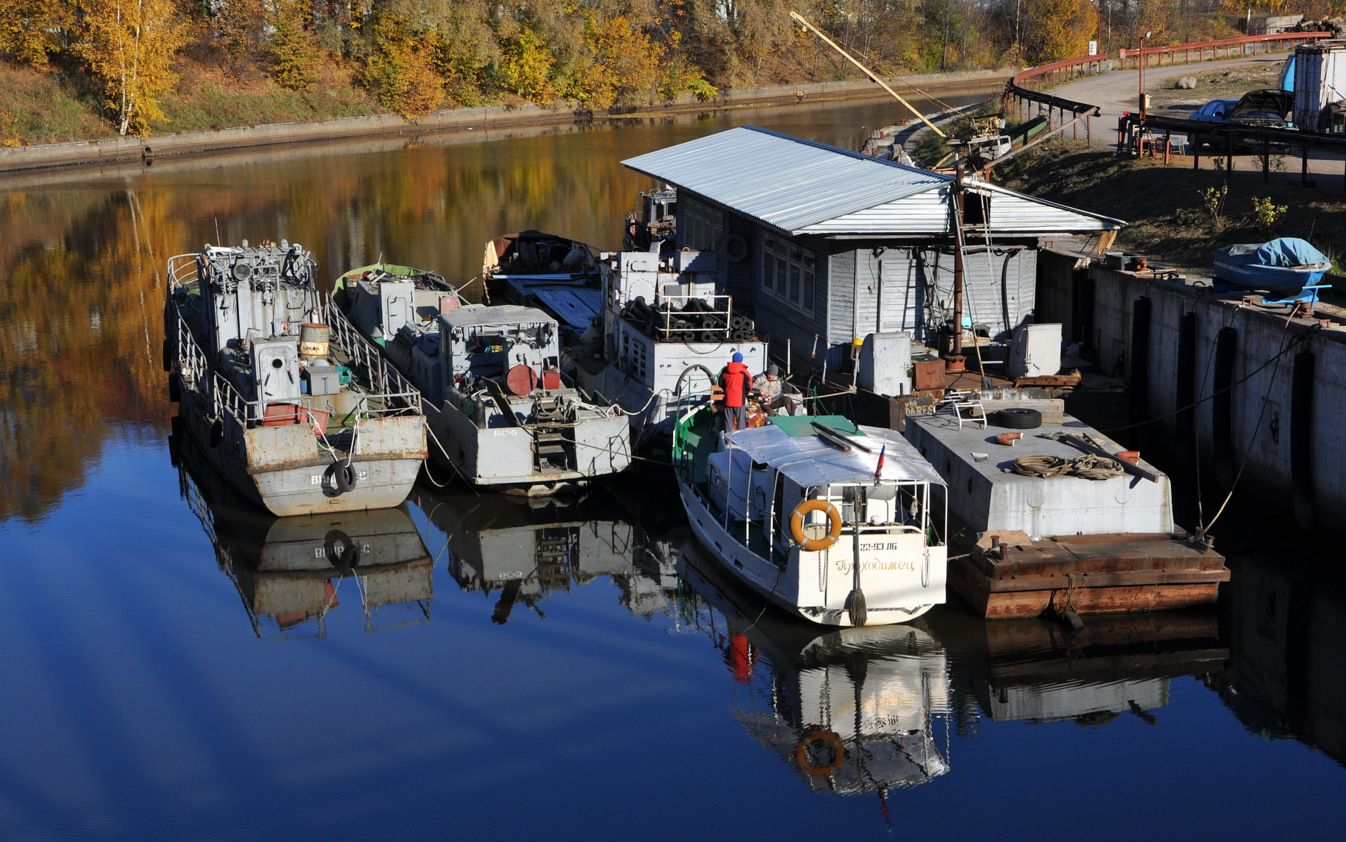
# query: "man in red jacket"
{"points": [[735, 381]]}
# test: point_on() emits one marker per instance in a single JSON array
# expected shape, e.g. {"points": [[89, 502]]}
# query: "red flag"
{"points": [[879, 469]]}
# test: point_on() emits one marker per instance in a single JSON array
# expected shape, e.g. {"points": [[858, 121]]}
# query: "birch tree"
{"points": [[127, 46]]}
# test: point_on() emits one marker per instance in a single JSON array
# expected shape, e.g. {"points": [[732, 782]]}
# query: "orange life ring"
{"points": [[801, 511], [827, 738]]}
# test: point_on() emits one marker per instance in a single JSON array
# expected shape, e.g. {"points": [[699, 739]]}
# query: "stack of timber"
{"points": [[1051, 523]]}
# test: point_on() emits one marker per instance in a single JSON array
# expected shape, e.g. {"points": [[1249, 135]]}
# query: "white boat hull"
{"points": [[918, 576]]}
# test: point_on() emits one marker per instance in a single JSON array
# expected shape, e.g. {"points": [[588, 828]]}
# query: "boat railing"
{"points": [[396, 391], [181, 271], [673, 320]]}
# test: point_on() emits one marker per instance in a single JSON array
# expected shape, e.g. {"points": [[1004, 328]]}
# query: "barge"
{"points": [[288, 401], [498, 410], [1055, 518]]}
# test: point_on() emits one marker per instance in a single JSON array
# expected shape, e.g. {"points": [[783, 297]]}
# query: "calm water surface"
{"points": [[176, 666]]}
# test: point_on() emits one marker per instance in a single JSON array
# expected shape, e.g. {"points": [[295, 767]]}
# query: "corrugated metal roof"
{"points": [[805, 187]]}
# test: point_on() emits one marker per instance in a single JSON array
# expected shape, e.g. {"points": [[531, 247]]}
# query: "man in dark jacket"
{"points": [[734, 379]]}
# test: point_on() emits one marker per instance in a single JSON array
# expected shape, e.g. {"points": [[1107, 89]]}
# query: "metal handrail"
{"points": [[388, 382]]}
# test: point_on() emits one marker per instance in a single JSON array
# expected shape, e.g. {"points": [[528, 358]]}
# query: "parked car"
{"points": [[1267, 108], [1215, 111]]}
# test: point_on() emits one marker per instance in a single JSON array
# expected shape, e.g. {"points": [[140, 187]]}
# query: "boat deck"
{"points": [[1052, 544]]}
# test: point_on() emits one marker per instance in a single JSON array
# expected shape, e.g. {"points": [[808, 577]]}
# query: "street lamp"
{"points": [[1142, 74]]}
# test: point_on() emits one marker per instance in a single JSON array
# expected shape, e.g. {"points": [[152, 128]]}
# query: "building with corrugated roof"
{"points": [[825, 245]]}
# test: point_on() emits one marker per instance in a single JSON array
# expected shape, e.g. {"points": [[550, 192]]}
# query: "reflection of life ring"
{"points": [[831, 742], [801, 511], [735, 248]]}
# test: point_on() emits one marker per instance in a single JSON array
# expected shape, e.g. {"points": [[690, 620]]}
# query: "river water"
{"points": [[178, 667]]}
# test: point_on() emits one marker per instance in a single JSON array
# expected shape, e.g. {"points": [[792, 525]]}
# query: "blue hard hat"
{"points": [[738, 358]]}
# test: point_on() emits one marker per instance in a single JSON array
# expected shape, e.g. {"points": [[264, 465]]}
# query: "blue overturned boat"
{"points": [[1287, 267]]}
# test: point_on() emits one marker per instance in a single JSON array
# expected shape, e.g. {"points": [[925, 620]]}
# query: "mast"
{"points": [[956, 360]]}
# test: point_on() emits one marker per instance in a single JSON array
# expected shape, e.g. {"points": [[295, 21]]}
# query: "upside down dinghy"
{"points": [[829, 521]]}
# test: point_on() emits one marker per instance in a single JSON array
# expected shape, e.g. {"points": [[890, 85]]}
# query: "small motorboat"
{"points": [[826, 520], [1289, 268]]}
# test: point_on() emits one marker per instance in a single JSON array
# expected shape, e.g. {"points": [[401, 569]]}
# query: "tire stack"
{"points": [[693, 322]]}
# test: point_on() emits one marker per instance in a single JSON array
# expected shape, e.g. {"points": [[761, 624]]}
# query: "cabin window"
{"points": [[788, 272], [702, 226]]}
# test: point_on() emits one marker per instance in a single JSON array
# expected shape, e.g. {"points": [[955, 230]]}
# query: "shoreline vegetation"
{"points": [[90, 70], [118, 150]]}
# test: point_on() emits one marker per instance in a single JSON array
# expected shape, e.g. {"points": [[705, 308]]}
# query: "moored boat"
{"points": [[1288, 267], [499, 412], [663, 336], [1055, 519], [289, 402], [826, 520]]}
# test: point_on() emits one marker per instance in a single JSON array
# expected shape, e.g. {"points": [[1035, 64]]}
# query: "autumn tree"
{"points": [[526, 66], [625, 64], [29, 30], [127, 47], [399, 68], [1057, 29], [290, 48]]}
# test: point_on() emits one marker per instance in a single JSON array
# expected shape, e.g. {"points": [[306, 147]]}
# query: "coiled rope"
{"points": [[1088, 466]]}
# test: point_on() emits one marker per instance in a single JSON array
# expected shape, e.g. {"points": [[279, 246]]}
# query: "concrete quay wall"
{"points": [[1216, 384]]}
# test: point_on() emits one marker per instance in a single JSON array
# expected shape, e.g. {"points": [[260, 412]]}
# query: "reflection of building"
{"points": [[1038, 670], [850, 709], [526, 550], [1287, 618], [291, 570]]}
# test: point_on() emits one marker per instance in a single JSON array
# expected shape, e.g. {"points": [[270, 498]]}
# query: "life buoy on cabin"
{"points": [[801, 511], [735, 248], [831, 742]]}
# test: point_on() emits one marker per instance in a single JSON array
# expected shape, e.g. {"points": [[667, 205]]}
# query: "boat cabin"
{"points": [[825, 246], [506, 350]]}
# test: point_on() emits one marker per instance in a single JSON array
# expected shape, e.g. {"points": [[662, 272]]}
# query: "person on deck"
{"points": [[768, 387], [734, 380]]}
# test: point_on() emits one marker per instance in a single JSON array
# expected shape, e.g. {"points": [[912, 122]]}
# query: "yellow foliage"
{"points": [[127, 46], [27, 29], [626, 64]]}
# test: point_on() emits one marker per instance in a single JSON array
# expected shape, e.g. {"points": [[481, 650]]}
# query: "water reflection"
{"points": [[1287, 617], [293, 572], [82, 252], [1040, 671], [850, 710], [522, 552]]}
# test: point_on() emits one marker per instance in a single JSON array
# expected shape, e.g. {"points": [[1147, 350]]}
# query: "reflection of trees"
{"points": [[81, 271]]}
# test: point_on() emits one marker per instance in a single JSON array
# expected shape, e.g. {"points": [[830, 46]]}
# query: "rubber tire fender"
{"points": [[801, 511], [343, 477], [1019, 419]]}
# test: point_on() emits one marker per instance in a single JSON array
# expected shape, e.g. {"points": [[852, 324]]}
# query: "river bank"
{"points": [[146, 151]]}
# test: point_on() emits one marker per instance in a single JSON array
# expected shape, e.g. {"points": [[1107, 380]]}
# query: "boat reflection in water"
{"points": [[293, 571], [851, 710], [524, 551], [1038, 670]]}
